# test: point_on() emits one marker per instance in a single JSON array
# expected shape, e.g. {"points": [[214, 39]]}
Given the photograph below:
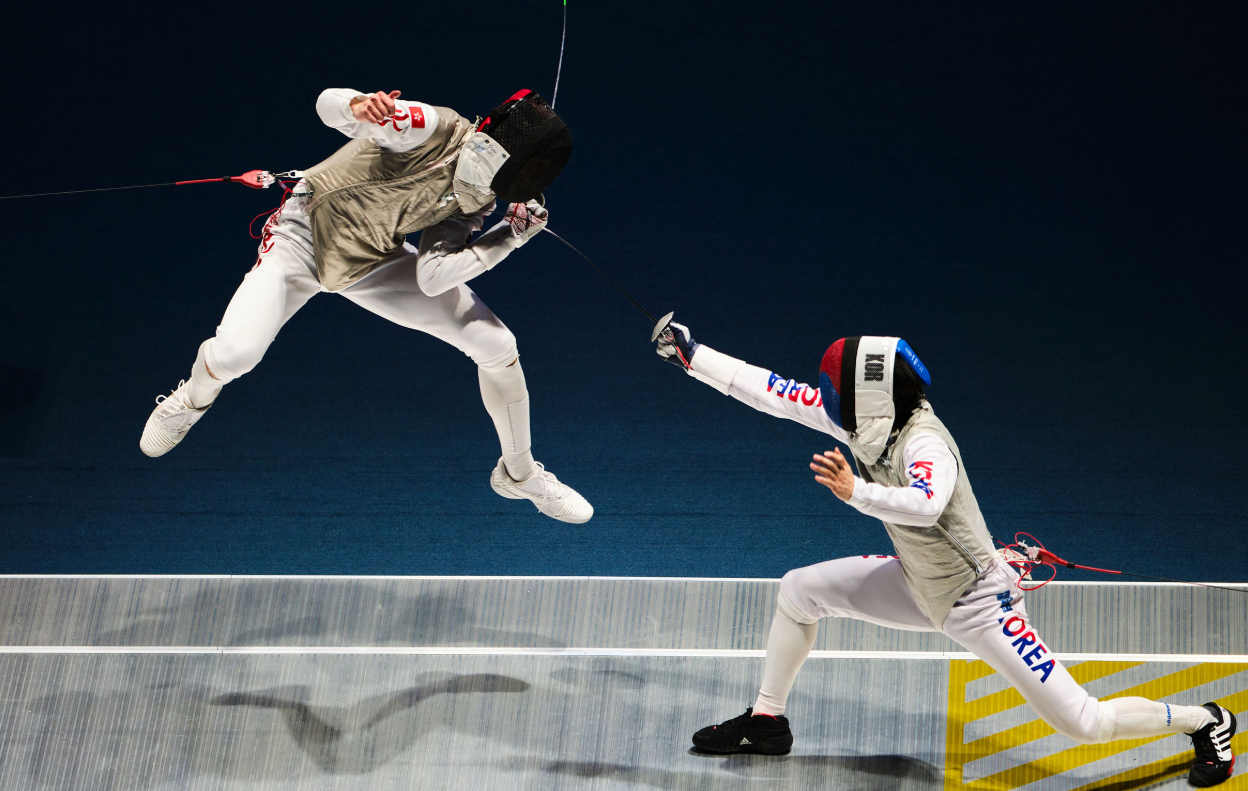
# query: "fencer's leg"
{"points": [[280, 284], [871, 588], [517, 476], [763, 728], [506, 399], [1210, 727], [178, 412], [204, 386], [459, 317], [1138, 718], [991, 621], [789, 642]]}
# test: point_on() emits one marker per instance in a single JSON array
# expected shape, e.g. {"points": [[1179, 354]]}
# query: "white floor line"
{"points": [[620, 652], [350, 577]]}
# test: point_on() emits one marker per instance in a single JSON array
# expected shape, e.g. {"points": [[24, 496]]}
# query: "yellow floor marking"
{"points": [[1179, 682], [1038, 729], [959, 754], [998, 702], [1081, 754], [1164, 769]]}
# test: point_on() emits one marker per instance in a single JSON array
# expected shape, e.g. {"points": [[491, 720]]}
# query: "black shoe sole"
{"points": [[755, 749], [1200, 782]]}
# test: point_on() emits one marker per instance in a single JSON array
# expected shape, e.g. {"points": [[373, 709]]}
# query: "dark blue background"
{"points": [[1046, 200]]}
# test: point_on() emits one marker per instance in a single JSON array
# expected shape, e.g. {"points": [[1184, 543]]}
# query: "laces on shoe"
{"points": [[743, 718], [551, 491], [175, 407], [160, 399], [174, 402], [1204, 745]]}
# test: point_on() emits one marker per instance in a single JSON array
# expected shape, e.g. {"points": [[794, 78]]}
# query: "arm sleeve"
{"points": [[764, 390], [931, 470], [411, 124], [445, 259]]}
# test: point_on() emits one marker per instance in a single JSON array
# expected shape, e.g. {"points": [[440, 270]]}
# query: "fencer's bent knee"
{"points": [[1099, 733], [790, 585], [1106, 724], [230, 357], [497, 362], [1072, 726]]}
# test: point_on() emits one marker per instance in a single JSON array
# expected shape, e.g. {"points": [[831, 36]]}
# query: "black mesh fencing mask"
{"points": [[538, 145]]}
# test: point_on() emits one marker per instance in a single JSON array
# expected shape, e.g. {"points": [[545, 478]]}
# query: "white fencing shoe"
{"points": [[556, 500], [169, 422]]}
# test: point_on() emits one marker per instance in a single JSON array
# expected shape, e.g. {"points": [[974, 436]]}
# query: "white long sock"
{"points": [[203, 388], [788, 645], [1139, 718], [506, 398]]}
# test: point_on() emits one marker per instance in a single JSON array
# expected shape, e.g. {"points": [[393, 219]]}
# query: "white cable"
{"points": [[562, 41]]}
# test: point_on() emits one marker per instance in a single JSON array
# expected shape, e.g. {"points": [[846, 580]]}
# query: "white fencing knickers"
{"points": [[989, 620], [284, 279]]}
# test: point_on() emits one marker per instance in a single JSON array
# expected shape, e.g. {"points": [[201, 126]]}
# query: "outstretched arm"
{"points": [[764, 390], [395, 124], [931, 472]]}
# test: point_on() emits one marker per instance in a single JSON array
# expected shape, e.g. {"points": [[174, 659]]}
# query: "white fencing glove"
{"points": [[676, 345], [527, 220]]}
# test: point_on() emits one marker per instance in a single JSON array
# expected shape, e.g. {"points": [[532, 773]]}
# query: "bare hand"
{"points": [[834, 472], [374, 108]]}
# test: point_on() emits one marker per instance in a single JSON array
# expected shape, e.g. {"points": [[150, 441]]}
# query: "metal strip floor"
{"points": [[506, 720], [537, 612]]}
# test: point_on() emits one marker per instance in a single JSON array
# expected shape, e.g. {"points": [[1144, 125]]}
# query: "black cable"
{"points": [[604, 274], [76, 192], [1184, 582]]}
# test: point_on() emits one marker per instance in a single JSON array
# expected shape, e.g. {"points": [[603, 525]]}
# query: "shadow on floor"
{"points": [[832, 771], [1166, 773], [334, 737], [596, 678], [427, 619]]}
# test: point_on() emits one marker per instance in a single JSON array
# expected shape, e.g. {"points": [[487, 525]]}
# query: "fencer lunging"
{"points": [[410, 167], [946, 575]]}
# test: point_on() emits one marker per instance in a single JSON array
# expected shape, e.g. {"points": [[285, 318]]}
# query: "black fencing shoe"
{"points": [[749, 733], [1212, 744]]}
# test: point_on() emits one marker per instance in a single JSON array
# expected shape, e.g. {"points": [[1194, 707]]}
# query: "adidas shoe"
{"points": [[542, 488], [1212, 743], [169, 422], [749, 733]]}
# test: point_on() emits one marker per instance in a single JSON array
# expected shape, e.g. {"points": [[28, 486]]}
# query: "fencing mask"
{"points": [[857, 382], [515, 153]]}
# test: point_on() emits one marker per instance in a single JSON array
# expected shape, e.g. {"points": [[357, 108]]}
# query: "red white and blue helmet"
{"points": [[867, 363]]}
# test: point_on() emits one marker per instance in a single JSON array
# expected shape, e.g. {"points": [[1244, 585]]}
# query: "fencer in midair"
{"points": [[409, 167], [945, 576]]}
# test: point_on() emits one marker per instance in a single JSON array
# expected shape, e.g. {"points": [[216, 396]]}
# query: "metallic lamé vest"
{"points": [[939, 562], [365, 199]]}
